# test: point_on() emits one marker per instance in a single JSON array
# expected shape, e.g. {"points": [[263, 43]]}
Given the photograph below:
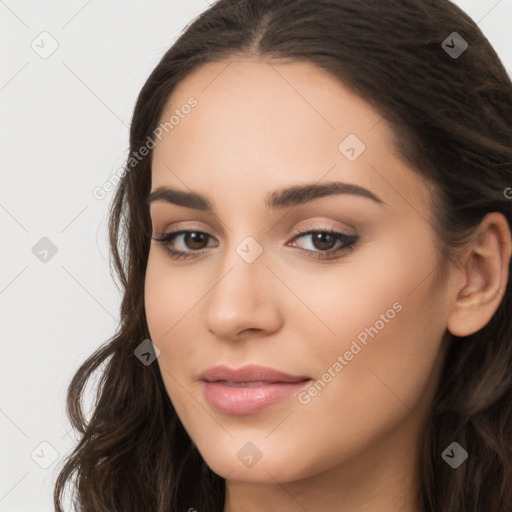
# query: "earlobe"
{"points": [[485, 277]]}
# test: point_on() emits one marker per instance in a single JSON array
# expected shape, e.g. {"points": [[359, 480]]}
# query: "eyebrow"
{"points": [[276, 200]]}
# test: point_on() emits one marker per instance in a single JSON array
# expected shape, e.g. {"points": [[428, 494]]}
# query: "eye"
{"points": [[192, 239], [325, 244]]}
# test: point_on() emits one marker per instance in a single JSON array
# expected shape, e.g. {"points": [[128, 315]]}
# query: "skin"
{"points": [[259, 127]]}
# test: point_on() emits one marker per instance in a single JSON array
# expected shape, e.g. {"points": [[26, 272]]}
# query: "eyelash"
{"points": [[349, 243]]}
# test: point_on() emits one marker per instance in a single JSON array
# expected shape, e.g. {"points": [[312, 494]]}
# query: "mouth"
{"points": [[245, 384], [248, 390]]}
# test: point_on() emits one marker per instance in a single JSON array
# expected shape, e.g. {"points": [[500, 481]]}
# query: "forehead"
{"points": [[291, 100], [270, 122]]}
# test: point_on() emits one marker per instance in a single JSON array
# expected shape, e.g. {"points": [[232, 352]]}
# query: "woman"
{"points": [[313, 236]]}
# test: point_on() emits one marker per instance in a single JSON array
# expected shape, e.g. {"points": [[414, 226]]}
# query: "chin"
{"points": [[280, 467]]}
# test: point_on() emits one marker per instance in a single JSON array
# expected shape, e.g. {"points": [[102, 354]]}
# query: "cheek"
{"points": [[365, 291], [172, 298], [167, 300], [389, 320], [168, 295], [157, 296]]}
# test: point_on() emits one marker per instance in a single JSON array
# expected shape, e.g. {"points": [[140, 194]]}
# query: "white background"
{"points": [[64, 130]]}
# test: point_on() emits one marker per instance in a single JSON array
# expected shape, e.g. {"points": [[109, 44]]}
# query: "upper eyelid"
{"points": [[348, 241], [318, 225], [298, 231], [302, 232]]}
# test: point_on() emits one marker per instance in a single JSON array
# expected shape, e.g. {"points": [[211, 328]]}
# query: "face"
{"points": [[337, 290]]}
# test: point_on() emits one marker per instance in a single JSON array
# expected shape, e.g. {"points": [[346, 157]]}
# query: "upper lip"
{"points": [[249, 373]]}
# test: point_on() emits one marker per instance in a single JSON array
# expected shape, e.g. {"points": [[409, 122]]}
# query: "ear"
{"points": [[484, 276]]}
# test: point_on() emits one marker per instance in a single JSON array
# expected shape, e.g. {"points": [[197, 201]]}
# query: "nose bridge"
{"points": [[240, 296], [243, 260], [241, 275]]}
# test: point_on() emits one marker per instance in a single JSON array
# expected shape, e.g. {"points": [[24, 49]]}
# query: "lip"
{"points": [[249, 373], [249, 389]]}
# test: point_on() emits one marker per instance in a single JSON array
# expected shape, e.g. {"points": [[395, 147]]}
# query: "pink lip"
{"points": [[249, 389]]}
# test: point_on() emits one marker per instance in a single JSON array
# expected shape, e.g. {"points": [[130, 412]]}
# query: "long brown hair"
{"points": [[452, 115]]}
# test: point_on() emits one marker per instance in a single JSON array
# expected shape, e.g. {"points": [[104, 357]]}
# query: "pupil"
{"points": [[320, 237], [195, 237]]}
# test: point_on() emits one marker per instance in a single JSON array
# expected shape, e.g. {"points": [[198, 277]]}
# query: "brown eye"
{"points": [[323, 243], [195, 239], [193, 243]]}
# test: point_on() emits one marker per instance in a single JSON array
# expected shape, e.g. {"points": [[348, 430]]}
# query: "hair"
{"points": [[452, 121]]}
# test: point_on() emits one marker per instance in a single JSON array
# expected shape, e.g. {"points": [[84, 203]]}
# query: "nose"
{"points": [[244, 298]]}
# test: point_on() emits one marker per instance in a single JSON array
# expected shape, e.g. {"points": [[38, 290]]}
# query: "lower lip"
{"points": [[248, 399]]}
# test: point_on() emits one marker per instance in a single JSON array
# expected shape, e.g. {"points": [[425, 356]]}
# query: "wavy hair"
{"points": [[452, 118]]}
